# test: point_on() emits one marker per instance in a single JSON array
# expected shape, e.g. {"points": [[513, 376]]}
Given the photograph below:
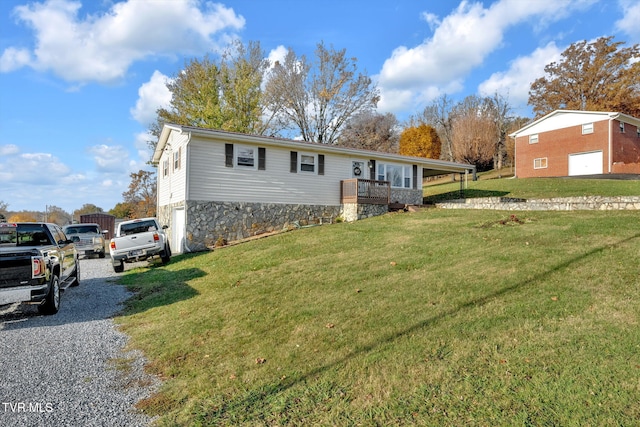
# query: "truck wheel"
{"points": [[165, 256], [76, 274], [51, 304], [101, 254], [118, 267]]}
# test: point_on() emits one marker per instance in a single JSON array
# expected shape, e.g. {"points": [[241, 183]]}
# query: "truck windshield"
{"points": [[138, 227], [24, 235], [81, 229]]}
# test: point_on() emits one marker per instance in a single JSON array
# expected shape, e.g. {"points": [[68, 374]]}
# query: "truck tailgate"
{"points": [[14, 268], [135, 241]]}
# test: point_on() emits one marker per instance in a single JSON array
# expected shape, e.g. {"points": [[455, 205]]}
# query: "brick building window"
{"points": [[540, 163], [621, 127], [587, 128], [533, 139]]}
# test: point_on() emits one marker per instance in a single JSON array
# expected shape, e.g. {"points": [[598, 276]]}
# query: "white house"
{"points": [[214, 184]]}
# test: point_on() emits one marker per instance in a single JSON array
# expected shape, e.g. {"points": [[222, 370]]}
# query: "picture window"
{"points": [[398, 176]]}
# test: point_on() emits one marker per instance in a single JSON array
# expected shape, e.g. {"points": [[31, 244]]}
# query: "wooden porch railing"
{"points": [[365, 191]]}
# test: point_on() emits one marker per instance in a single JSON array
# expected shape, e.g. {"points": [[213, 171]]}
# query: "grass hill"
{"points": [[488, 185], [429, 318]]}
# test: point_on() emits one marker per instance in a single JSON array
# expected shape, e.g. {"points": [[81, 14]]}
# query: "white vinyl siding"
{"points": [[171, 187], [210, 180]]}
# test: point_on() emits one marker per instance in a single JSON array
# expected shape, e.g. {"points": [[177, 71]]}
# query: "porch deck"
{"points": [[367, 191]]}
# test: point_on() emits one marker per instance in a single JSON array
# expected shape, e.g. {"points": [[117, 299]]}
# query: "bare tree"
{"points": [[371, 131], [439, 115], [500, 110], [318, 99], [474, 134]]}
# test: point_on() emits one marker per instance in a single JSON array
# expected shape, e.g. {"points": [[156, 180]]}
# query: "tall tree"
{"points": [[318, 99], [141, 195], [371, 131], [439, 115], [500, 110], [474, 134], [600, 75], [241, 72], [420, 141], [224, 94]]}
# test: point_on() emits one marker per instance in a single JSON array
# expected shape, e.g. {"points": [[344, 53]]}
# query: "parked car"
{"points": [[88, 238], [137, 240], [37, 262]]}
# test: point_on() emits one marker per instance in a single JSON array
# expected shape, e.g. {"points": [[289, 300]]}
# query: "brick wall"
{"points": [[556, 146], [626, 149]]}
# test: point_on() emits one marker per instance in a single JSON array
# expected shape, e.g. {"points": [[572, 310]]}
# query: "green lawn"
{"points": [[530, 188], [431, 318]]}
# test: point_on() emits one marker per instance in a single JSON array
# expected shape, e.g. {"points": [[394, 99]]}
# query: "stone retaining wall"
{"points": [[552, 204]]}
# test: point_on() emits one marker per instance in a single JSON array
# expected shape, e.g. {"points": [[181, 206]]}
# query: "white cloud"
{"points": [[277, 55], [630, 23], [460, 42], [152, 95], [102, 47], [516, 81], [28, 167], [13, 59], [9, 149], [110, 158]]}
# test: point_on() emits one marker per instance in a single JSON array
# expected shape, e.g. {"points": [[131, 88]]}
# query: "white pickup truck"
{"points": [[137, 240]]}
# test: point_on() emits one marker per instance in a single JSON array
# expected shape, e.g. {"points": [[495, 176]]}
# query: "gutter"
{"points": [[609, 160]]}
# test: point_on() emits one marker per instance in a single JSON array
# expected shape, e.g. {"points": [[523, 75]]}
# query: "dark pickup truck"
{"points": [[37, 261]]}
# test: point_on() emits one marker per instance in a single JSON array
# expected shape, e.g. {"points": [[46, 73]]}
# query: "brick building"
{"points": [[571, 143]]}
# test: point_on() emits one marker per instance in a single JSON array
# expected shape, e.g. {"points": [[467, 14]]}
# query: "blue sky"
{"points": [[80, 80]]}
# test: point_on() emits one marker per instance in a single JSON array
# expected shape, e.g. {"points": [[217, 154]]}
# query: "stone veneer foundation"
{"points": [[211, 222]]}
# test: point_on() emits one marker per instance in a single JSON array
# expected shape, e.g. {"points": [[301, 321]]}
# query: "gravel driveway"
{"points": [[71, 369]]}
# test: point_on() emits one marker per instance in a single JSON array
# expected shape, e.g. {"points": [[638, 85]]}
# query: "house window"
{"points": [[533, 139], [621, 127], [176, 159], [587, 128], [245, 156], [398, 176], [307, 163], [540, 163], [165, 168]]}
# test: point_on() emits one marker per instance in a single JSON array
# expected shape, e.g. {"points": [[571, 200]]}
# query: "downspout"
{"points": [[610, 143], [186, 192]]}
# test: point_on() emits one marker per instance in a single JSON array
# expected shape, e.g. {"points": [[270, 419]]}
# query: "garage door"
{"points": [[585, 163]]}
